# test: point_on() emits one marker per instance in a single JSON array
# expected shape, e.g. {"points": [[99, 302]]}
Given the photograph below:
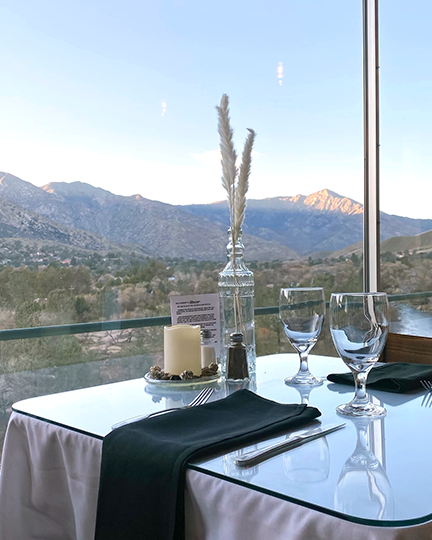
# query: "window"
{"points": [[113, 111], [406, 120]]}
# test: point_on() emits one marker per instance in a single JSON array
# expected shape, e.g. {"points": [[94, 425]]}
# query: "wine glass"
{"points": [[359, 324], [302, 311]]}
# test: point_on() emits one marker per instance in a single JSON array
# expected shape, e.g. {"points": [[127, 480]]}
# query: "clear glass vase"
{"points": [[236, 293]]}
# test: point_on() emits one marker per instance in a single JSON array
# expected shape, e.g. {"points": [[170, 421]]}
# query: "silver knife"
{"points": [[295, 439]]}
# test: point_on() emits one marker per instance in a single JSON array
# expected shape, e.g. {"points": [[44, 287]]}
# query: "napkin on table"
{"points": [[141, 492], [397, 377]]}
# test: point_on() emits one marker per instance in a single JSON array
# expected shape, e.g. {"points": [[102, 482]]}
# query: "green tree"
{"points": [[28, 314], [355, 260]]}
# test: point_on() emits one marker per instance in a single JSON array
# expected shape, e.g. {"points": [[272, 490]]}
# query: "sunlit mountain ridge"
{"points": [[321, 221], [277, 228]]}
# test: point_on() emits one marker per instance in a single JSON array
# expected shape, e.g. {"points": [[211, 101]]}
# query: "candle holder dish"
{"points": [[157, 376], [182, 382]]}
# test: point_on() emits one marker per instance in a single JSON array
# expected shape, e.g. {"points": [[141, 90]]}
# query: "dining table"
{"points": [[370, 480]]}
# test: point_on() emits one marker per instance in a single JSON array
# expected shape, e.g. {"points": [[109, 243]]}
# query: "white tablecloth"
{"points": [[49, 484]]}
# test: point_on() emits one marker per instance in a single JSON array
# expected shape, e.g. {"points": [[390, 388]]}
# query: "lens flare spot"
{"points": [[280, 73]]}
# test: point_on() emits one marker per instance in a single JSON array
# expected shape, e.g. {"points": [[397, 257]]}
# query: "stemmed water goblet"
{"points": [[302, 312], [359, 325]]}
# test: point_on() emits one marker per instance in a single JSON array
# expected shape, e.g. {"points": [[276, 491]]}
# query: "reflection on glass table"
{"points": [[243, 473], [179, 397], [247, 384], [170, 397], [363, 487], [307, 465], [305, 392]]}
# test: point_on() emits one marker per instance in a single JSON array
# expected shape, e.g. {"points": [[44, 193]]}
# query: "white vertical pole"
{"points": [[371, 223]]}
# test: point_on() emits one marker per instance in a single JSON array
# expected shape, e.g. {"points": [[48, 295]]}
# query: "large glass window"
{"points": [[111, 175], [406, 162]]}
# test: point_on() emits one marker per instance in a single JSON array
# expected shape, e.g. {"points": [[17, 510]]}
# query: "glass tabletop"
{"points": [[372, 472]]}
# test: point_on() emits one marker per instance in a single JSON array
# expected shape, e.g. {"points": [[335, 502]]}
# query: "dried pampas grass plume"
{"points": [[229, 157], [236, 188], [243, 183]]}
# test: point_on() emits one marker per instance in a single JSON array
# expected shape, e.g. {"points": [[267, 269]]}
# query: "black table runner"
{"points": [[396, 377], [141, 492]]}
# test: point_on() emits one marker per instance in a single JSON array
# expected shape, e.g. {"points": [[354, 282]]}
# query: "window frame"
{"points": [[371, 207]]}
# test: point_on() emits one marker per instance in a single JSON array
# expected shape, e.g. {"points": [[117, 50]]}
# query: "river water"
{"points": [[411, 321]]}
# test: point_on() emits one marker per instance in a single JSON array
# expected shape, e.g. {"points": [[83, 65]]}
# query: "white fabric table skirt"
{"points": [[49, 485]]}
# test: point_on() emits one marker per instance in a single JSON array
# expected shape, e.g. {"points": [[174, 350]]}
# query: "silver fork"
{"points": [[427, 399], [200, 399]]}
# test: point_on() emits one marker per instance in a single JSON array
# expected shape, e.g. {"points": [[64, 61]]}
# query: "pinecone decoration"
{"points": [[209, 370], [157, 373]]}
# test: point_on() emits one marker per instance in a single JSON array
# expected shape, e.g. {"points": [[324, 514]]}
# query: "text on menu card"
{"points": [[202, 309]]}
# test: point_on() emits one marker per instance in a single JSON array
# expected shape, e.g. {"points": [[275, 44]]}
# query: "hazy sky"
{"points": [[122, 95]]}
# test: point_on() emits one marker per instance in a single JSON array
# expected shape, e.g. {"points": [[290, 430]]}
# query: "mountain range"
{"points": [[79, 214], [322, 221]]}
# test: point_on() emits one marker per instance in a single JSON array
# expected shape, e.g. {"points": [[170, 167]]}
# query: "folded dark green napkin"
{"points": [[141, 491], [397, 377]]}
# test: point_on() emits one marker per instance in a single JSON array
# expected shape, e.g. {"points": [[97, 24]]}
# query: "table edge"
{"points": [[384, 524], [58, 424]]}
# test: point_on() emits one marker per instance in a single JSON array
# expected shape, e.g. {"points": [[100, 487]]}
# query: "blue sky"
{"points": [[83, 85]]}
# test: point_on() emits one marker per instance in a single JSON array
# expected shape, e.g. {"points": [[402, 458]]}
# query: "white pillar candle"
{"points": [[182, 349]]}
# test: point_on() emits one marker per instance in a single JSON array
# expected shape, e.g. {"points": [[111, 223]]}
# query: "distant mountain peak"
{"points": [[329, 201], [18, 191], [294, 199], [4, 174], [325, 193], [76, 188], [7, 179], [322, 201]]}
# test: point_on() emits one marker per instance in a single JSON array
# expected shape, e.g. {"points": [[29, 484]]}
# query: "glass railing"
{"points": [[415, 299]]}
